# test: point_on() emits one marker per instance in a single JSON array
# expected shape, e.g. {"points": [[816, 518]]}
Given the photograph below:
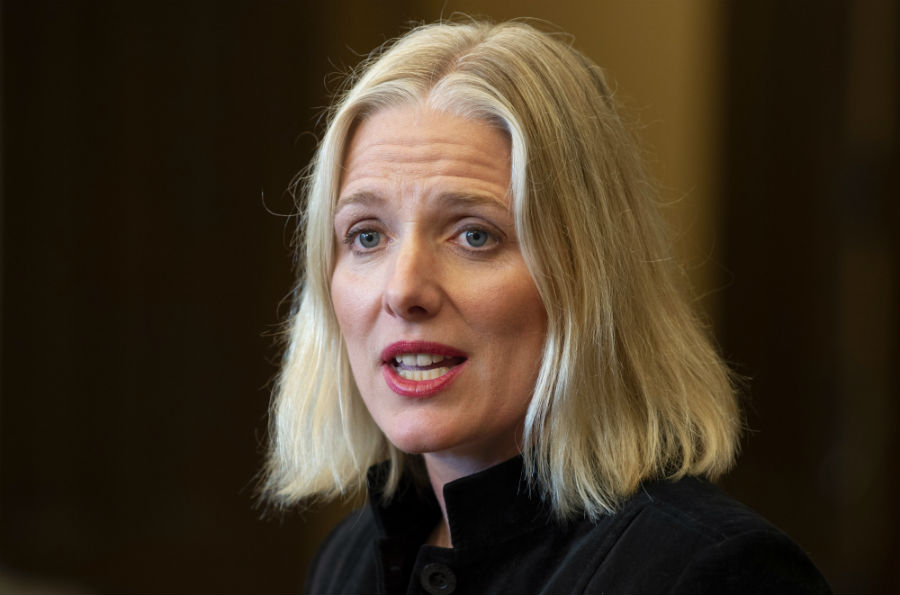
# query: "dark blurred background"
{"points": [[147, 148]]}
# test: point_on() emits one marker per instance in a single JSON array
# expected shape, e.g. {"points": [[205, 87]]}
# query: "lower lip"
{"points": [[419, 389]]}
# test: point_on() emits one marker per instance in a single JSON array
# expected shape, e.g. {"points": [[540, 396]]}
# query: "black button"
{"points": [[437, 579]]}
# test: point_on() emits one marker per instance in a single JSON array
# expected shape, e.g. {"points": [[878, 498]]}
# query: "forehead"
{"points": [[414, 144]]}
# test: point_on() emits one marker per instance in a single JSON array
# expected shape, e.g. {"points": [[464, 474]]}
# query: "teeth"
{"points": [[422, 374], [418, 359]]}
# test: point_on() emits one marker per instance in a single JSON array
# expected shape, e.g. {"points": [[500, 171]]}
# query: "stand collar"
{"points": [[490, 506]]}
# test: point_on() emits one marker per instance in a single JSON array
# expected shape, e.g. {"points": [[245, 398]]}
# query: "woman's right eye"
{"points": [[369, 239], [365, 239]]}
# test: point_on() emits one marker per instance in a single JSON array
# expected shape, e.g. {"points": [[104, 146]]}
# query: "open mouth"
{"points": [[423, 366]]}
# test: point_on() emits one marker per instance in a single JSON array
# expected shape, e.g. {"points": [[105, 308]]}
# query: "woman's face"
{"points": [[441, 318]]}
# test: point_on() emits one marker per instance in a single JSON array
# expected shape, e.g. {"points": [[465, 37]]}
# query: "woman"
{"points": [[489, 337]]}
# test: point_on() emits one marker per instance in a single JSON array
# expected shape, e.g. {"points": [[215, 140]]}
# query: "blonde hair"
{"points": [[629, 388]]}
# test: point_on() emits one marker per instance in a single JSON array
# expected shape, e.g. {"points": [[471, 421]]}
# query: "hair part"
{"points": [[630, 387]]}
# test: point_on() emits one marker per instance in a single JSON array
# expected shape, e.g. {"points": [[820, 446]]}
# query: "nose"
{"points": [[412, 290]]}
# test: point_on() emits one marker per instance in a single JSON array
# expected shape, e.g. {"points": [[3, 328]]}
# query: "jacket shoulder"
{"points": [[346, 554], [690, 537]]}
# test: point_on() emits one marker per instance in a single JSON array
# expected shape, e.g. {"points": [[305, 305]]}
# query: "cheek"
{"points": [[515, 310], [348, 291], [528, 325], [350, 308], [511, 321], [353, 316]]}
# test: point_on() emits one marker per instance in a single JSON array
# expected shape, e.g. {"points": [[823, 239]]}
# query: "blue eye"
{"points": [[476, 238], [369, 238]]}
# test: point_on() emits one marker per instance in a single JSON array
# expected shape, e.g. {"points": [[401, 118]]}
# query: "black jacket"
{"points": [[670, 537]]}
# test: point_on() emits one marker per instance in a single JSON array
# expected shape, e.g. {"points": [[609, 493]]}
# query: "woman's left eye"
{"points": [[476, 238]]}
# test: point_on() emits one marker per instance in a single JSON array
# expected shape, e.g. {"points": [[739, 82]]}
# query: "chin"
{"points": [[418, 440], [416, 446]]}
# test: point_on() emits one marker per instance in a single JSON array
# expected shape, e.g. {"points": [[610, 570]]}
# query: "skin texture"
{"points": [[427, 251]]}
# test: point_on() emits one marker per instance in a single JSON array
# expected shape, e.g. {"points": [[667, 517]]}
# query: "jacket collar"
{"points": [[491, 506]]}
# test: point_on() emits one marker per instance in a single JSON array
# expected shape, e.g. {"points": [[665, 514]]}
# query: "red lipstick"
{"points": [[419, 388]]}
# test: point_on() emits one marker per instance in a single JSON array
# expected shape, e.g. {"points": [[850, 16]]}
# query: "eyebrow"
{"points": [[358, 198], [471, 200], [453, 199]]}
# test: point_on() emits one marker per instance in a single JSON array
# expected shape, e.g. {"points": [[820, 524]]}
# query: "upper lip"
{"points": [[401, 347]]}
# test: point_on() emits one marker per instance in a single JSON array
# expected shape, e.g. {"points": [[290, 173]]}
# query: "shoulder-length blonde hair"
{"points": [[629, 387]]}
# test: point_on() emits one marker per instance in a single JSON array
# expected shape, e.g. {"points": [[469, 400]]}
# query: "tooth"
{"points": [[409, 359], [423, 359], [434, 373], [419, 375]]}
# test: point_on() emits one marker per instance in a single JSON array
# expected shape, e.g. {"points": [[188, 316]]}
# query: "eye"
{"points": [[362, 239], [368, 238], [476, 237]]}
